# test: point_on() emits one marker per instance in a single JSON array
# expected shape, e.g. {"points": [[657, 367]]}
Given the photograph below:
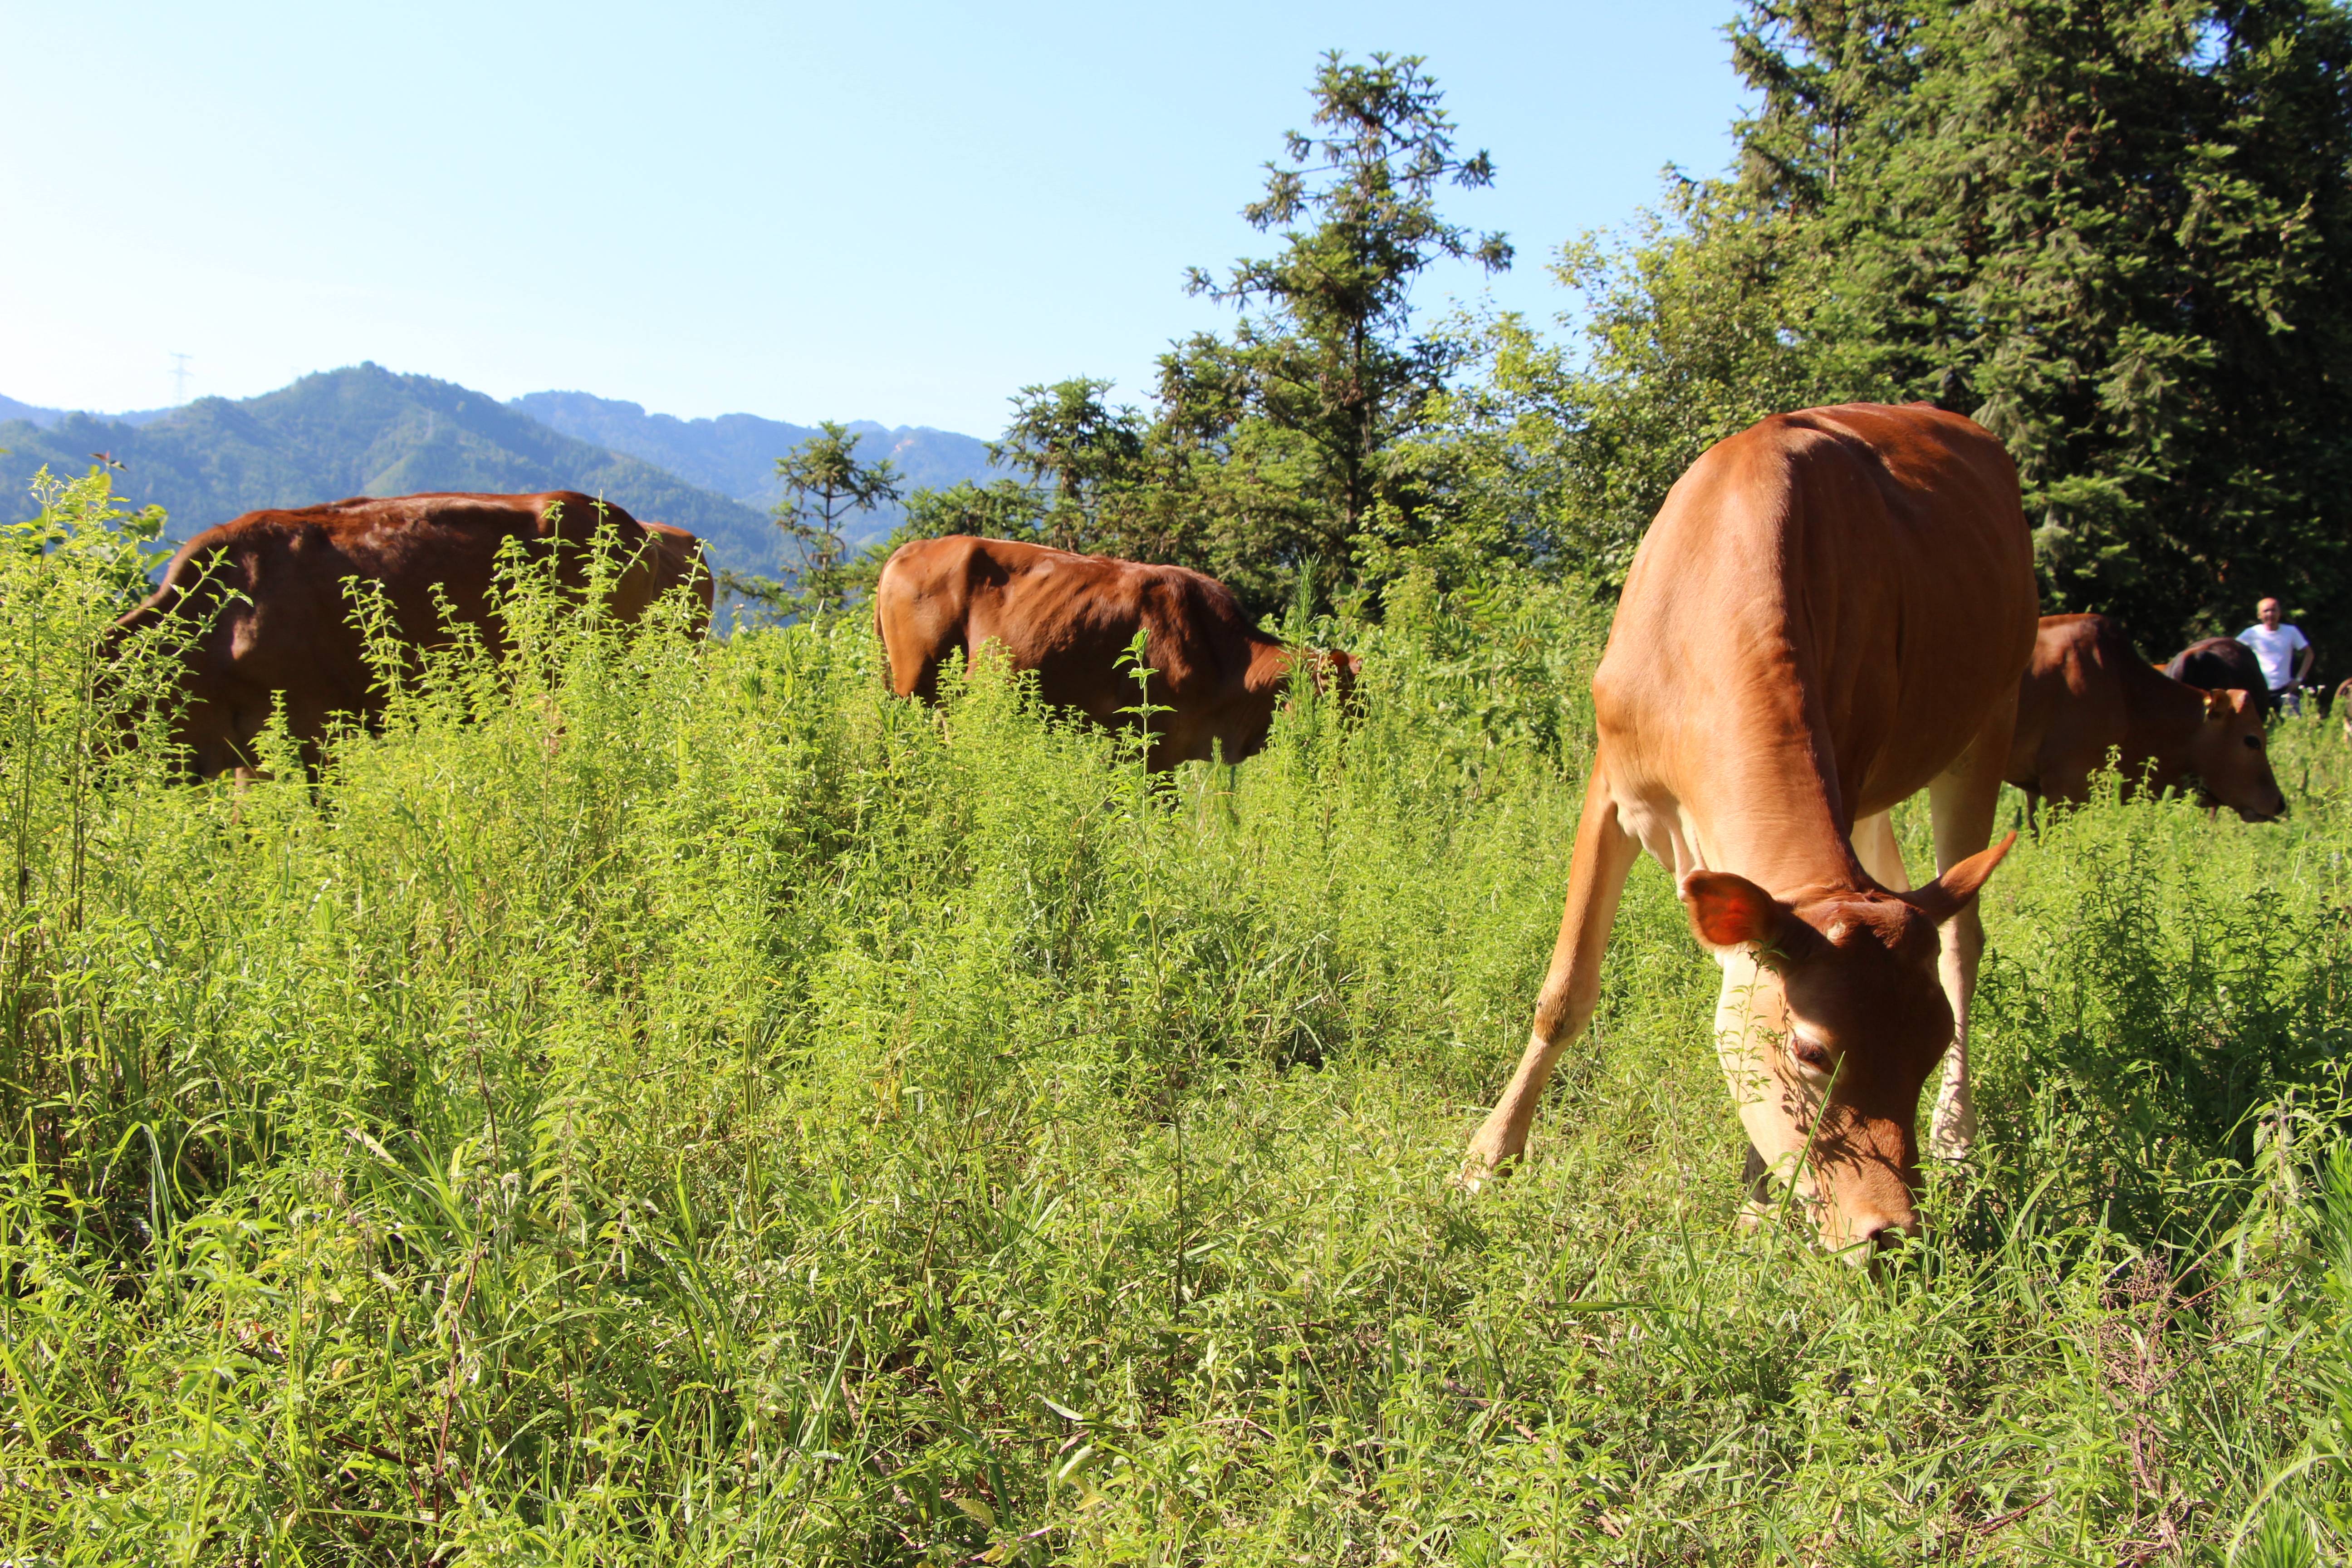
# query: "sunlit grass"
{"points": [[677, 1104]]}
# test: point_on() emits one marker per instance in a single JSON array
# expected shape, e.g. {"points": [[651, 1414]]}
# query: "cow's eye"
{"points": [[2254, 742], [1811, 1054]]}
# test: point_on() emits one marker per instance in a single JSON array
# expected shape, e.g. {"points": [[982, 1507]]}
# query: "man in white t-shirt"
{"points": [[2275, 645]]}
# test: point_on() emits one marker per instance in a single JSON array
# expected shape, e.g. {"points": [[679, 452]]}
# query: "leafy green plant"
{"points": [[654, 1101]]}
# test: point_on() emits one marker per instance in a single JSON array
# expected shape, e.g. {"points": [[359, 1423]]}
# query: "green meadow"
{"points": [[664, 1102]]}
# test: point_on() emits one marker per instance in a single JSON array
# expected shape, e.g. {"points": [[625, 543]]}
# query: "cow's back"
{"points": [[1070, 619], [1848, 586], [266, 592], [2222, 664]]}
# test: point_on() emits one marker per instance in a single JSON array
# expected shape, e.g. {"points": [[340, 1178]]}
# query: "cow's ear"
{"points": [[1726, 910], [1948, 894], [2223, 704]]}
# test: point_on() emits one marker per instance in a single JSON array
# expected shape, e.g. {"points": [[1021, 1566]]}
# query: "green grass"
{"points": [[672, 1104]]}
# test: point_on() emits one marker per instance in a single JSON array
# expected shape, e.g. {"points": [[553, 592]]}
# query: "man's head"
{"points": [[2267, 612]]}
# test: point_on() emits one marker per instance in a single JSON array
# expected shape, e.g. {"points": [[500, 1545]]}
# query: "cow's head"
{"points": [[2231, 761], [1341, 671], [1332, 673], [1830, 1021]]}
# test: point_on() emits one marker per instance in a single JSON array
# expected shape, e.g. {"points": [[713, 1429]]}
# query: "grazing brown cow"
{"points": [[281, 627], [2222, 664], [1830, 612], [1070, 617], [2088, 693]]}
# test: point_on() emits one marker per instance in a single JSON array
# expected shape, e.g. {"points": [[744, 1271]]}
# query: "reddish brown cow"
{"points": [[1070, 617], [267, 592], [2088, 693], [1831, 612]]}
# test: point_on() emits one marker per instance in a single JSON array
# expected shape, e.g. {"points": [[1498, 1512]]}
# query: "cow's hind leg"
{"points": [[1596, 876], [1874, 847], [1962, 800], [1755, 1180]]}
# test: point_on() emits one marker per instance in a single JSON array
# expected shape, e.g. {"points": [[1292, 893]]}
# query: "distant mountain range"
{"points": [[365, 430], [736, 454], [34, 414]]}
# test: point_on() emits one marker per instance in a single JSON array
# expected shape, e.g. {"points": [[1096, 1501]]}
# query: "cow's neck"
{"points": [[1750, 782], [1771, 814], [2164, 719], [1270, 663]]}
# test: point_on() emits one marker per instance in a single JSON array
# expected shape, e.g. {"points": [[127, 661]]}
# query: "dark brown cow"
{"points": [[2222, 664], [281, 627], [1831, 612], [2088, 693], [1070, 617]]}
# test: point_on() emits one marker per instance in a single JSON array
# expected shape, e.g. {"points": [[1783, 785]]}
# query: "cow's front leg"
{"points": [[1596, 876]]}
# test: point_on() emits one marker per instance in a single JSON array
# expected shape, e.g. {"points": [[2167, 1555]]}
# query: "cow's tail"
{"points": [[116, 685], [687, 563], [882, 638]]}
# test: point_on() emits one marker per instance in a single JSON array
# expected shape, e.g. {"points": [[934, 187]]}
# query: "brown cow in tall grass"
{"points": [[263, 598], [2088, 693], [1831, 612], [1071, 618]]}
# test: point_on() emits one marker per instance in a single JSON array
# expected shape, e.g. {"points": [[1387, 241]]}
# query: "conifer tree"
{"points": [[1326, 371], [1067, 437], [2120, 236], [2113, 234], [824, 482]]}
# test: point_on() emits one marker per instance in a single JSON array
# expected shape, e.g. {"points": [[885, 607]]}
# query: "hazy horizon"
{"points": [[157, 410]]}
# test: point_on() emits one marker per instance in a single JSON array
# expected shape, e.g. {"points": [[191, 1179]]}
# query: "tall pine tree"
{"points": [[2117, 235], [1296, 415], [2120, 236]]}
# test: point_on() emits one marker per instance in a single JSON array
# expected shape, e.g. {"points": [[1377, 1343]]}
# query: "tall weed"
{"points": [[662, 1102]]}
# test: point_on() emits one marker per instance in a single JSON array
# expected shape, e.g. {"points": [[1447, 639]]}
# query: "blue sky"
{"points": [[899, 213]]}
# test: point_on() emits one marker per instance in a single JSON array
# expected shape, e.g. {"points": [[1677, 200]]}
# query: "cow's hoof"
{"points": [[1479, 1172], [1753, 1216]]}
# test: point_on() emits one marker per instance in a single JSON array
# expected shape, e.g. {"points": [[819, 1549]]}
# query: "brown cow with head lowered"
{"points": [[1830, 612], [2088, 693], [270, 584], [1071, 618]]}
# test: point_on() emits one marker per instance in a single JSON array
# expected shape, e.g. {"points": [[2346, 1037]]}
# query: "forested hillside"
{"points": [[735, 454], [365, 430]]}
